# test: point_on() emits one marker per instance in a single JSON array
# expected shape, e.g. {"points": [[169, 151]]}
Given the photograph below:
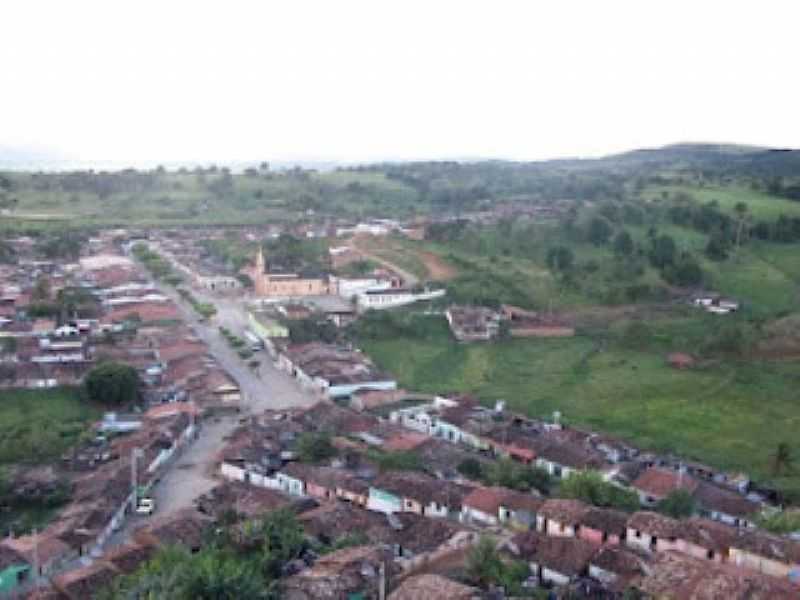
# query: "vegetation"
{"points": [[590, 487], [313, 329], [315, 447], [158, 266], [22, 510], [240, 562], [205, 310], [781, 522], [614, 379], [679, 504], [113, 384], [486, 567], [38, 426]]}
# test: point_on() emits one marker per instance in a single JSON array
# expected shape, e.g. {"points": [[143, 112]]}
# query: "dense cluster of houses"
{"points": [[103, 492], [565, 541], [121, 316]]}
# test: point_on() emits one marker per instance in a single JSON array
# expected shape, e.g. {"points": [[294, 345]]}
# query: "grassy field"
{"points": [[191, 199], [37, 426], [728, 414], [761, 205]]}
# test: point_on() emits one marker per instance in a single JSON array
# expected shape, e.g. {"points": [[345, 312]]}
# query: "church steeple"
{"points": [[260, 260]]}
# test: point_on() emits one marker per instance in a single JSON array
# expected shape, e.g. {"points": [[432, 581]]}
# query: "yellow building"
{"points": [[281, 285]]}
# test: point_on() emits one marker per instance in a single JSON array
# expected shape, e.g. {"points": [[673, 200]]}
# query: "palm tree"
{"points": [[782, 459]]}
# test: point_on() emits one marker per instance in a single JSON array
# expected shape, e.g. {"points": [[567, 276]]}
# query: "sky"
{"points": [[141, 81]]}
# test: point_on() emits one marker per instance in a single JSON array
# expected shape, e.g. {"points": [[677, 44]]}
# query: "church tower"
{"points": [[260, 261]]}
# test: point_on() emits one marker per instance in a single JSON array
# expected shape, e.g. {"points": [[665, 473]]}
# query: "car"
{"points": [[145, 506]]}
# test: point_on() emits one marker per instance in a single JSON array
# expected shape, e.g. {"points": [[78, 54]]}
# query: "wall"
{"points": [[382, 501], [473, 515]]}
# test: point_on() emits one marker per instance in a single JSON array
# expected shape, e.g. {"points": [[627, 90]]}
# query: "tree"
{"points": [[484, 565], [678, 504], [600, 230], [742, 222], [662, 253], [623, 243], [590, 487], [560, 259], [470, 468], [718, 245], [782, 459], [315, 447], [175, 573], [686, 272], [113, 384], [42, 290]]}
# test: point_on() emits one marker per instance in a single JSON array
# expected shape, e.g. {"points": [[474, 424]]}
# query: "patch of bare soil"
{"points": [[782, 340], [438, 269]]}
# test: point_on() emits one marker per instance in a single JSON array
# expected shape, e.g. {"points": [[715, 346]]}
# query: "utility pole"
{"points": [[382, 582], [136, 453], [35, 554]]}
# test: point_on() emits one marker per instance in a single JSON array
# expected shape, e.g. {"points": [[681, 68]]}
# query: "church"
{"points": [[281, 285]]}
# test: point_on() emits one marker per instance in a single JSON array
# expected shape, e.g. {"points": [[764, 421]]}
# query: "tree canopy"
{"points": [[113, 384]]}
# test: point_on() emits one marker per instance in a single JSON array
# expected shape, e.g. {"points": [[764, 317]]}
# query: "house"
{"points": [[561, 517], [394, 297], [14, 570], [603, 526], [416, 493], [675, 575], [612, 564], [702, 538], [291, 479], [561, 457], [519, 510], [433, 587], [653, 532], [51, 552], [353, 572], [472, 323], [656, 483], [185, 528], [410, 536], [247, 500], [766, 553], [483, 505], [726, 506], [553, 560]]}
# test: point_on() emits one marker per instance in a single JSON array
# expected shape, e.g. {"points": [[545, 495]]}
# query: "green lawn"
{"points": [[37, 426], [730, 415]]}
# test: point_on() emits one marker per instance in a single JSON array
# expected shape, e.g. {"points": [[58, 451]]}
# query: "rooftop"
{"points": [[659, 482]]}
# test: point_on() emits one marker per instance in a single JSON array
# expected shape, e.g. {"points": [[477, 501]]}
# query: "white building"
{"points": [[392, 298]]}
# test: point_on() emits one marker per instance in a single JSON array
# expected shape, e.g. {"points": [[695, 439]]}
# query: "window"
{"points": [[710, 555], [638, 534]]}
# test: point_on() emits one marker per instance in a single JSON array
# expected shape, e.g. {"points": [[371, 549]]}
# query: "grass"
{"points": [[730, 415], [761, 205], [37, 426]]}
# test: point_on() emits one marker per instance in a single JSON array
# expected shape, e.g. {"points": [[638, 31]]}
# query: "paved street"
{"points": [[191, 474]]}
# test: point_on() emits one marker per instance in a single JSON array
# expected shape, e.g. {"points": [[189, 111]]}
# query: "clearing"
{"points": [[37, 426]]}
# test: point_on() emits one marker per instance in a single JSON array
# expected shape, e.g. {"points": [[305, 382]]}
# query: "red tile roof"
{"points": [[659, 482], [486, 499]]}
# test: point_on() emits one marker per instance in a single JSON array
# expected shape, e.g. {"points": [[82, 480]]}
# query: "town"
{"points": [[226, 395]]}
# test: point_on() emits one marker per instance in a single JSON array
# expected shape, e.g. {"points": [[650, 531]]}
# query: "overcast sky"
{"points": [[336, 79]]}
